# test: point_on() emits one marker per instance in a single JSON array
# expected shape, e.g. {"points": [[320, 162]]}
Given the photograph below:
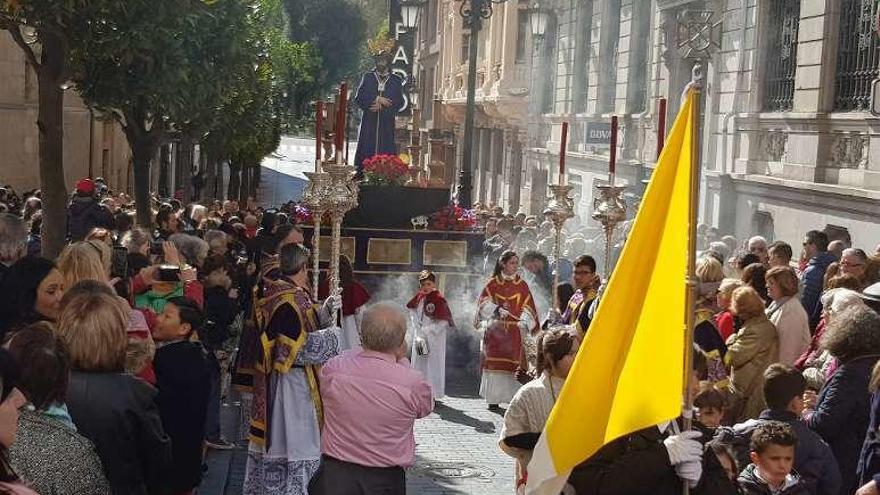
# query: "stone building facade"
{"points": [[789, 143], [92, 147]]}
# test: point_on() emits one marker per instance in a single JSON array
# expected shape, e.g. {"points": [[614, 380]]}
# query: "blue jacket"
{"points": [[814, 278], [841, 416], [813, 459]]}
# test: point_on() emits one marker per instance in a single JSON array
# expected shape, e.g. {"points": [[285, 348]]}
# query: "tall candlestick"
{"points": [[340, 117], [563, 145], [319, 131], [612, 162]]}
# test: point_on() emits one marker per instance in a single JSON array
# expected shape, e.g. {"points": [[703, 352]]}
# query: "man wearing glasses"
{"points": [[816, 252]]}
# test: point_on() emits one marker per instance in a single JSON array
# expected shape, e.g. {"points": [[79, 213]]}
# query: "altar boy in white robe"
{"points": [[431, 319]]}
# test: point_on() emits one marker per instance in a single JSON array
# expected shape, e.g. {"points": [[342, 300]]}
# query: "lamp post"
{"points": [[473, 12], [409, 12]]}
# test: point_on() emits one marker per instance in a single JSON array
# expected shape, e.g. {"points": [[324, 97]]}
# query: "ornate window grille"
{"points": [[779, 81], [857, 56]]}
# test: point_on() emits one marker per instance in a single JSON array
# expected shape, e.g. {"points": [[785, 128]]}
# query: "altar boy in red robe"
{"points": [[508, 318], [431, 319]]}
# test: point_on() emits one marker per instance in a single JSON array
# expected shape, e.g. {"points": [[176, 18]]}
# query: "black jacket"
{"points": [[638, 464], [84, 214], [869, 462], [220, 312], [813, 459], [183, 383], [841, 416], [118, 413], [750, 484]]}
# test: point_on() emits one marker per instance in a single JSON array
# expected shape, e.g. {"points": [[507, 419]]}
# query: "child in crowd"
{"points": [[772, 455], [183, 380], [711, 405]]}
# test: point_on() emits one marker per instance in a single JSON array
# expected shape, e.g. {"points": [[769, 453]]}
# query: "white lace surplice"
{"points": [[295, 443]]}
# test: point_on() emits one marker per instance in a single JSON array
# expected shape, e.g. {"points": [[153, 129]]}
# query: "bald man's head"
{"points": [[383, 328]]}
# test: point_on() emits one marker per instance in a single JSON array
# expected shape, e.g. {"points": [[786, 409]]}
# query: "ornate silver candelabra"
{"points": [[609, 209], [341, 196], [560, 208], [314, 197]]}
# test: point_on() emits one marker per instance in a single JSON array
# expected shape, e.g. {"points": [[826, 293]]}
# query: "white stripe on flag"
{"points": [[543, 479]]}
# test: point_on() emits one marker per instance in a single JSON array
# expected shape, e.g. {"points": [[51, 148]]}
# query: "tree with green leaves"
{"points": [[45, 30], [159, 67], [337, 28], [267, 98]]}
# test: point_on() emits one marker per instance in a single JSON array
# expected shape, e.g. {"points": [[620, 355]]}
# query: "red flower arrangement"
{"points": [[385, 170], [454, 217]]}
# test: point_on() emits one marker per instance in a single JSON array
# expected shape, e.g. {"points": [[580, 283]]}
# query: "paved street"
{"points": [[282, 176], [456, 450]]}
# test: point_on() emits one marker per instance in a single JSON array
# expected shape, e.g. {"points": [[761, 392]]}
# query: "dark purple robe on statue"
{"points": [[368, 135]]}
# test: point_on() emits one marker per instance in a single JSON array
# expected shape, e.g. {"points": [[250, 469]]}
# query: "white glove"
{"points": [[331, 306], [503, 312], [690, 472], [684, 447]]}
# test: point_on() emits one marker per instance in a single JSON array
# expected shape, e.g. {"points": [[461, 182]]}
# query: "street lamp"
{"points": [[409, 12], [538, 18], [473, 12]]}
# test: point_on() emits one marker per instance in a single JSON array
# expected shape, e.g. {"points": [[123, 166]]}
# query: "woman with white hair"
{"points": [[816, 363]]}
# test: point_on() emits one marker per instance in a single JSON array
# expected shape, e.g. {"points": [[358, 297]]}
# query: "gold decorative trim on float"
{"points": [[389, 252], [346, 247], [445, 253]]}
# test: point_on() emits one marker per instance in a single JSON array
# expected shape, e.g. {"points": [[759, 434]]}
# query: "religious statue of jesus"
{"points": [[380, 97]]}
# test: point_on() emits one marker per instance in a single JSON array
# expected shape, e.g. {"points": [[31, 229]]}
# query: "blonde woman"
{"points": [[724, 320], [86, 260], [90, 261], [113, 409]]}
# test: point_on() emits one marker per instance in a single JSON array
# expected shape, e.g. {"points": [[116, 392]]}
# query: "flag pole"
{"points": [[693, 212]]}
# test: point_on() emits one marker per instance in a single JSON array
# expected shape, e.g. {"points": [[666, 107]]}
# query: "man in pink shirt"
{"points": [[372, 397]]}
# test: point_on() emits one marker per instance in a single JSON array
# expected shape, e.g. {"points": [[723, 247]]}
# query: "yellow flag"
{"points": [[628, 374]]}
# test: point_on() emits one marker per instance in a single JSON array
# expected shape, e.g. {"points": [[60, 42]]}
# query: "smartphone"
{"points": [[169, 273], [119, 263]]}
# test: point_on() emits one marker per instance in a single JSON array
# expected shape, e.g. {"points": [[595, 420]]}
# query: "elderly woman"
{"points": [[816, 362], [113, 409], [192, 249], [48, 452], [787, 314], [530, 407], [749, 352], [840, 414]]}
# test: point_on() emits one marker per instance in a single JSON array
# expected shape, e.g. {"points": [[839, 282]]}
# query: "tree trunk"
{"points": [[142, 153], [185, 168], [255, 182], [234, 180], [218, 180], [50, 122], [164, 166], [245, 187]]}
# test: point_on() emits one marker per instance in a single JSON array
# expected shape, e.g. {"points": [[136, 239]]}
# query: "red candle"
{"points": [[612, 163], [563, 145], [340, 117], [319, 128]]}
